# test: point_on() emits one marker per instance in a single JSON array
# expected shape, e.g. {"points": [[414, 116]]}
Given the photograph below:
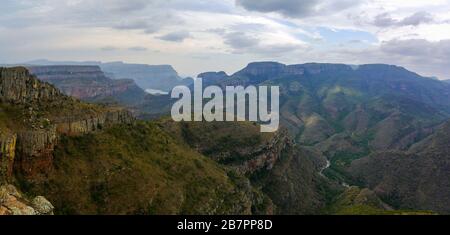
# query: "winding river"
{"points": [[328, 165]]}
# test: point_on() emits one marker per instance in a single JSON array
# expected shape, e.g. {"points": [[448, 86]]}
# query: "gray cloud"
{"points": [[179, 36], [149, 24], [138, 48], [292, 8], [56, 27], [126, 5], [139, 24], [384, 20], [218, 31], [109, 48], [430, 58], [438, 52], [418, 18], [239, 40], [419, 55], [148, 16], [298, 8], [247, 43], [133, 24]]}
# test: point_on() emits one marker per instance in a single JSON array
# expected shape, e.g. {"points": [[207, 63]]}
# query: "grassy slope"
{"points": [[356, 201], [138, 169], [293, 184]]}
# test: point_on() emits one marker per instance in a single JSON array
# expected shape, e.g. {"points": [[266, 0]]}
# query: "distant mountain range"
{"points": [[89, 83], [154, 77], [349, 112]]}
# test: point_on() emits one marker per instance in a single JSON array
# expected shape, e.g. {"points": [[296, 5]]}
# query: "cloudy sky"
{"points": [[210, 35]]}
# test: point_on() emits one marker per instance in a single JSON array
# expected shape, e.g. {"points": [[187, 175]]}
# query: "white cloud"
{"points": [[230, 33]]}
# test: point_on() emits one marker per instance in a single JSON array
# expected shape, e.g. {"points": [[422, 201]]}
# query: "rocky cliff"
{"points": [[12, 202], [17, 86], [266, 156], [263, 157], [246, 153], [42, 115], [88, 82], [7, 154]]}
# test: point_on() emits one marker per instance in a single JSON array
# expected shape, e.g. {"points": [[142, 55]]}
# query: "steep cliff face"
{"points": [[7, 154], [265, 157], [140, 169], [74, 126], [35, 152], [88, 82], [42, 114], [19, 87], [247, 153]]}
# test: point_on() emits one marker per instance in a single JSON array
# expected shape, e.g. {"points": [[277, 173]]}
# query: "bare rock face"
{"points": [[19, 87], [7, 154], [84, 82], [74, 126], [42, 206], [12, 202], [35, 151], [266, 156], [47, 114]]}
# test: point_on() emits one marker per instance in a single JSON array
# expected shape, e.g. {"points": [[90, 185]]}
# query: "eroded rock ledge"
{"points": [[47, 114]]}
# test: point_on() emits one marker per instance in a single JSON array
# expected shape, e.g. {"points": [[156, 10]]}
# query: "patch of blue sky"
{"points": [[338, 36]]}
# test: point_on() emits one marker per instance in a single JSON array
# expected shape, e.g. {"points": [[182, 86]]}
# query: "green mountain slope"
{"points": [[347, 112], [139, 169], [414, 179], [90, 159], [288, 174]]}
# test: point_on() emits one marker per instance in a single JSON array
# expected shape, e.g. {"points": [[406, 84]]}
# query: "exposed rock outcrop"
{"points": [[246, 153], [266, 156], [35, 152], [7, 154], [19, 87], [12, 202], [88, 82], [47, 114], [73, 126]]}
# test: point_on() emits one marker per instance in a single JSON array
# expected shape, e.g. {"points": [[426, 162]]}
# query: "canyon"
{"points": [[42, 114], [339, 124]]}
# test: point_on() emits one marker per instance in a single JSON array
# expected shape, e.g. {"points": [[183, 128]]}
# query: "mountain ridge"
{"points": [[156, 77], [332, 113], [88, 82]]}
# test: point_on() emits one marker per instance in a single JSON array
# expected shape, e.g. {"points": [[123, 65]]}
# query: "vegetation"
{"points": [[356, 201], [138, 169]]}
